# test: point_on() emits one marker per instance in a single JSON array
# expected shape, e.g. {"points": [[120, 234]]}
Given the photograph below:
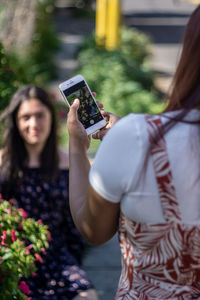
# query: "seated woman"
{"points": [[35, 173]]}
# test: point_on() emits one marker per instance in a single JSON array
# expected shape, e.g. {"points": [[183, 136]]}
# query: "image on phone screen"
{"points": [[88, 111]]}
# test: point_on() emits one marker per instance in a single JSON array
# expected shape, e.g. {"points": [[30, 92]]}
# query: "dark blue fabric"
{"points": [[60, 275]]}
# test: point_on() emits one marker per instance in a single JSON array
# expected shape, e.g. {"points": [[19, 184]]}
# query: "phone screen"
{"points": [[88, 112]]}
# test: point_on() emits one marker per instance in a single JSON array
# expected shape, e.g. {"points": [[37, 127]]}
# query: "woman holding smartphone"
{"points": [[144, 183], [35, 172]]}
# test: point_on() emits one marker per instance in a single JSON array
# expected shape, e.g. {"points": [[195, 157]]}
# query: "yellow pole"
{"points": [[113, 23], [101, 16]]}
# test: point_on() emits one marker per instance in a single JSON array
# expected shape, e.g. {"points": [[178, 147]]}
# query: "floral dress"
{"points": [[59, 276], [160, 261]]}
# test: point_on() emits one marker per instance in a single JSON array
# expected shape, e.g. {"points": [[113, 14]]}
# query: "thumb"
{"points": [[75, 104], [73, 109]]}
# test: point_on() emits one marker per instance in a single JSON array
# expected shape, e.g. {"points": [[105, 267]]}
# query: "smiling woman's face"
{"points": [[34, 122]]}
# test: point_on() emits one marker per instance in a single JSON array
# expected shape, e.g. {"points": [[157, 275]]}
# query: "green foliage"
{"points": [[22, 240], [9, 78], [37, 65], [39, 60], [122, 79], [135, 45]]}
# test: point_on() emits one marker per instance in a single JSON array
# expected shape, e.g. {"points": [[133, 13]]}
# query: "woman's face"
{"points": [[34, 122]]}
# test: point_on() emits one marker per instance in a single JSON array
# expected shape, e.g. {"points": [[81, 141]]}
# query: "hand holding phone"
{"points": [[88, 112], [79, 138], [111, 119]]}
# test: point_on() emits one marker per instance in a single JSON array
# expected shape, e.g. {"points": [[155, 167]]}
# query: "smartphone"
{"points": [[88, 112]]}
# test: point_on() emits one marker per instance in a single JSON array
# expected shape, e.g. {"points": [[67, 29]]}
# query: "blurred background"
{"points": [[126, 50]]}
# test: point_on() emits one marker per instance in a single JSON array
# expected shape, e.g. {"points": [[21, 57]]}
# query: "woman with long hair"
{"points": [[35, 172], [145, 184]]}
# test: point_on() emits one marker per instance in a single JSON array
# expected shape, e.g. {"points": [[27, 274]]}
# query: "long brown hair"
{"points": [[185, 92], [185, 88], [15, 156]]}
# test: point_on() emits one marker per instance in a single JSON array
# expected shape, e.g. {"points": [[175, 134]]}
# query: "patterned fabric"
{"points": [[160, 261], [60, 276]]}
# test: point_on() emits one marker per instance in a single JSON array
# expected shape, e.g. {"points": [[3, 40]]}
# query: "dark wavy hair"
{"points": [[15, 156]]}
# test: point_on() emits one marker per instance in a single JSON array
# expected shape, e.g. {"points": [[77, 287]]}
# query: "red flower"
{"points": [[10, 201], [8, 211], [43, 250], [13, 236], [39, 221], [24, 288], [28, 248], [38, 257], [3, 237], [27, 251], [24, 214]]}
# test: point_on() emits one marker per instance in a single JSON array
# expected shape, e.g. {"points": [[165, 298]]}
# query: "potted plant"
{"points": [[22, 241]]}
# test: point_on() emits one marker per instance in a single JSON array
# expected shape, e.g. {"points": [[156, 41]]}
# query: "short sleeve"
{"points": [[118, 159]]}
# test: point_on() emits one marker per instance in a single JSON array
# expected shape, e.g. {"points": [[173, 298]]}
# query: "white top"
{"points": [[119, 172]]}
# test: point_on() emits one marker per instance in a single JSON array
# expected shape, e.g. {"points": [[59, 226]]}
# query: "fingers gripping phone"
{"points": [[88, 112]]}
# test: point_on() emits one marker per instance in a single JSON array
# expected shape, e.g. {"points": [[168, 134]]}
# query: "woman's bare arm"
{"points": [[95, 217]]}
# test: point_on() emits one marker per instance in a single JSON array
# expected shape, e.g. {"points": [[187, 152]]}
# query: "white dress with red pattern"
{"points": [[160, 260]]}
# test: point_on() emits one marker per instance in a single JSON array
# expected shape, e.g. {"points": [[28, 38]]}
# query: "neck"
{"points": [[34, 152]]}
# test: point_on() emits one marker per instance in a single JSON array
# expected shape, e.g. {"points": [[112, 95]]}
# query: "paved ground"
{"points": [[164, 21]]}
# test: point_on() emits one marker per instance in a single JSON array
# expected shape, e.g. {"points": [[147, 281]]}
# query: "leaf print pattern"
{"points": [[159, 261]]}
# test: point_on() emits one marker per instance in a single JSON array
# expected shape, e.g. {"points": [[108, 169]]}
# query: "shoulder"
{"points": [[127, 136], [131, 126], [119, 158], [130, 120], [63, 159]]}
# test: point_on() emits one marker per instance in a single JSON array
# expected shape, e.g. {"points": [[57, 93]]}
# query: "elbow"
{"points": [[94, 232], [95, 237], [95, 241]]}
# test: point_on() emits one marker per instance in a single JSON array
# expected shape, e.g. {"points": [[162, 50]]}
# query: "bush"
{"points": [[122, 78], [22, 240], [10, 78]]}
